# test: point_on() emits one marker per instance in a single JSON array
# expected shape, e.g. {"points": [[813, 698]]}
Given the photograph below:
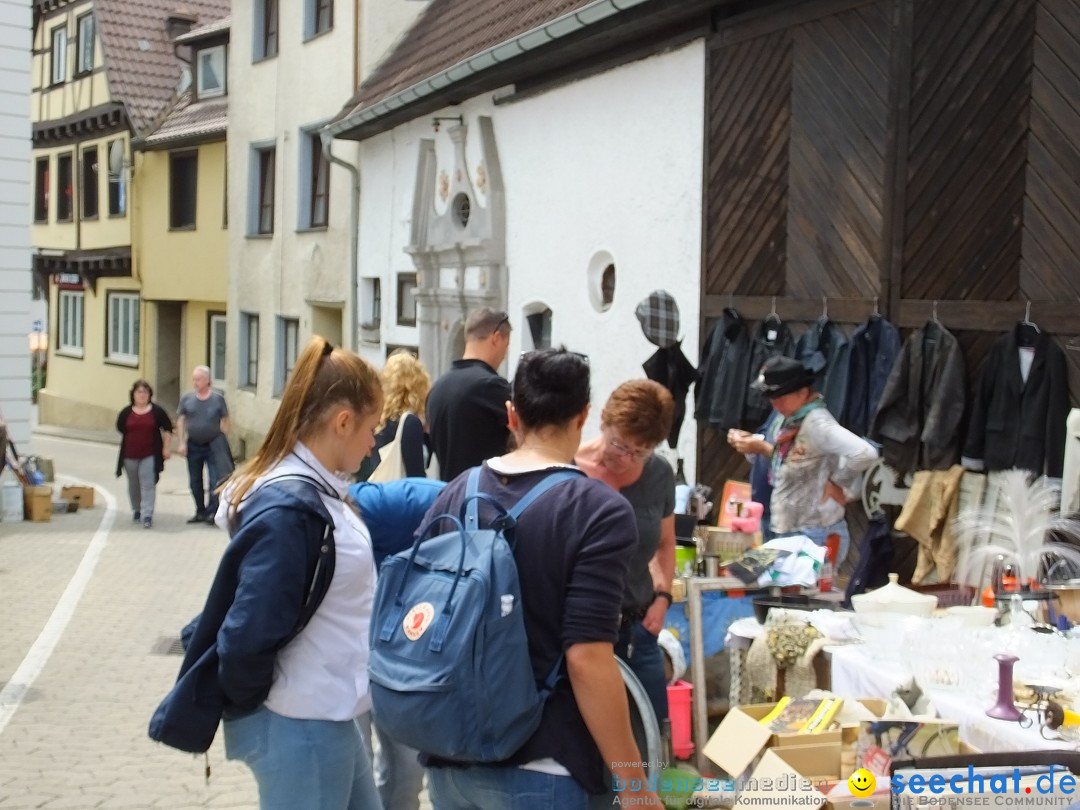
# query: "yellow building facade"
{"points": [[104, 74]]}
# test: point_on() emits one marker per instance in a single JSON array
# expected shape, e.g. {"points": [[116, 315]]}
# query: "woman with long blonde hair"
{"points": [[280, 651], [405, 385]]}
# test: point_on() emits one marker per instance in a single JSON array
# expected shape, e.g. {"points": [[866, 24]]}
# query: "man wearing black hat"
{"points": [[816, 464]]}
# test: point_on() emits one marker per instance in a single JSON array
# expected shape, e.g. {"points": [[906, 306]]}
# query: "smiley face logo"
{"points": [[417, 620], [861, 783]]}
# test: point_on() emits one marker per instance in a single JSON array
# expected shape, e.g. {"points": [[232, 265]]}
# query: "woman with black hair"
{"points": [[145, 430], [571, 549]]}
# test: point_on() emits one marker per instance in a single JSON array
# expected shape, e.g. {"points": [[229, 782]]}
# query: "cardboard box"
{"points": [[84, 496], [37, 503]]}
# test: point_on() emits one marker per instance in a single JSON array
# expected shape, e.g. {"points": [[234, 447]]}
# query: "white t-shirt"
{"points": [[323, 673]]}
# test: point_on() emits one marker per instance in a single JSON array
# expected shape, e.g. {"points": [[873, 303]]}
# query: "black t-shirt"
{"points": [[571, 548], [466, 413]]}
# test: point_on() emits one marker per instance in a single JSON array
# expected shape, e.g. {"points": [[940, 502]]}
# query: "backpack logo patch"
{"points": [[417, 620]]}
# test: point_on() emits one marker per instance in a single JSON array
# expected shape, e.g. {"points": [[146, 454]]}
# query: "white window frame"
{"points": [[217, 374], [221, 66], [288, 349], [70, 307], [248, 374], [122, 312], [85, 34], [58, 55]]}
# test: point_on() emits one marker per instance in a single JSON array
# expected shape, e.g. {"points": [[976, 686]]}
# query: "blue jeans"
{"points": [[821, 534], [647, 662], [197, 456], [490, 787], [399, 776], [303, 764]]}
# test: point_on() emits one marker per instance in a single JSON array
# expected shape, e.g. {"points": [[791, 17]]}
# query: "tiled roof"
{"points": [[204, 31], [188, 121], [143, 71], [448, 32]]}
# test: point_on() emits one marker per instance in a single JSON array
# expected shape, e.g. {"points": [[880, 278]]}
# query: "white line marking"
{"points": [[11, 696]]}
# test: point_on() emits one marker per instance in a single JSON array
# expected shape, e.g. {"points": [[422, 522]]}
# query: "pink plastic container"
{"points": [[678, 698]]}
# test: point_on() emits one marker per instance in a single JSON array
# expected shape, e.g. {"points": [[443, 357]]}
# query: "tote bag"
{"points": [[391, 464]]}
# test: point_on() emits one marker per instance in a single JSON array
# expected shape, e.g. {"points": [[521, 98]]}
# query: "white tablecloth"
{"points": [[857, 675]]}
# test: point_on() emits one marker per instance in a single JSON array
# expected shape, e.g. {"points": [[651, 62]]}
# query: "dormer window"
{"points": [[210, 72]]}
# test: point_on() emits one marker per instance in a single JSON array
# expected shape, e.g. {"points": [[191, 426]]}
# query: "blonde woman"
{"points": [[405, 388]]}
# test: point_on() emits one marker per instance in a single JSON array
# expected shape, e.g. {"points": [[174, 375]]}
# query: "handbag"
{"points": [[391, 462]]}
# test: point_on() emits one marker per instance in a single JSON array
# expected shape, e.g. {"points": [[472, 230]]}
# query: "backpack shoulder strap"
{"points": [[552, 480]]}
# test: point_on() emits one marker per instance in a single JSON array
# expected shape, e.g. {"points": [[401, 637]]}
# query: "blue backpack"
{"points": [[450, 669]]}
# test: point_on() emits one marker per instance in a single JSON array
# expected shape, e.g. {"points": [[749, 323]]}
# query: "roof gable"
{"points": [[143, 70]]}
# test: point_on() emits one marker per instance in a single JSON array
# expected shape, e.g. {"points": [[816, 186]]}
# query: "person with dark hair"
{"points": [[636, 418], [145, 430], [282, 642], [571, 549], [466, 409]]}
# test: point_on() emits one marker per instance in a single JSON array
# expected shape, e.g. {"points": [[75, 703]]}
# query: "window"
{"points": [[41, 190], [84, 58], [70, 322], [266, 29], [59, 55], [372, 307], [318, 17], [249, 350], [288, 341], [210, 72], [89, 186], [216, 349], [123, 328], [183, 176], [117, 184], [64, 190], [539, 322], [315, 207], [406, 299], [264, 190]]}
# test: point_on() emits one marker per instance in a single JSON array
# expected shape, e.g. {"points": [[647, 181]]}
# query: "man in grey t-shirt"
{"points": [[202, 422]]}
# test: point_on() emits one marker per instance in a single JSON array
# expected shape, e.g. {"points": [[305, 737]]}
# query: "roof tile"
{"points": [[448, 32]]}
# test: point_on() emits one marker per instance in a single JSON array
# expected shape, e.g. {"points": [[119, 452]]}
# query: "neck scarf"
{"points": [[789, 429]]}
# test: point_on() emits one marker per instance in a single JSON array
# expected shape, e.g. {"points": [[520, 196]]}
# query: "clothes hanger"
{"points": [[772, 316], [1028, 331], [824, 308], [876, 313]]}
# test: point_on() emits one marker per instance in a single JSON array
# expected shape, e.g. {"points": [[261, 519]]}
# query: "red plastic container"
{"points": [[678, 698]]}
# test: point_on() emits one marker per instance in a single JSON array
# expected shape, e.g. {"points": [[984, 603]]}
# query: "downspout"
{"points": [[354, 235]]}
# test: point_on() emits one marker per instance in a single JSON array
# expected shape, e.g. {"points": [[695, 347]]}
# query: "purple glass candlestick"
{"points": [[1005, 708]]}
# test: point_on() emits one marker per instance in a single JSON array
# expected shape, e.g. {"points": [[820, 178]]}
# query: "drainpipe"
{"points": [[354, 234]]}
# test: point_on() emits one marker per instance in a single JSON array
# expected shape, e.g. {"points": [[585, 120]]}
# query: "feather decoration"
{"points": [[1017, 529]]}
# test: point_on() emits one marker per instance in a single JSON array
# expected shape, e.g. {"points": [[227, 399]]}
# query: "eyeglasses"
{"points": [[622, 449]]}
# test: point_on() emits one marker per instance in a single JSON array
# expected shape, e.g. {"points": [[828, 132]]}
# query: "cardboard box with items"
{"points": [[83, 496], [810, 766], [37, 503]]}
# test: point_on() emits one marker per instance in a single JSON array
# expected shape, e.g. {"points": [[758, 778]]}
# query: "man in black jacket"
{"points": [[466, 408]]}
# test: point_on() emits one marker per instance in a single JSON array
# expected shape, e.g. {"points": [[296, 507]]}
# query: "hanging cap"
{"points": [[659, 317]]}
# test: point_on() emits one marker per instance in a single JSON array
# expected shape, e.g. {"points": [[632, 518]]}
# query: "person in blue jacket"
{"points": [[393, 511], [280, 651]]}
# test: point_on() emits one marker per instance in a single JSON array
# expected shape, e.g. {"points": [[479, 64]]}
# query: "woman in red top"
{"points": [[145, 429]]}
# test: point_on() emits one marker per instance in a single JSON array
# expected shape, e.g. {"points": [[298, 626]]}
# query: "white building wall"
{"points": [[15, 171], [609, 163], [292, 271]]}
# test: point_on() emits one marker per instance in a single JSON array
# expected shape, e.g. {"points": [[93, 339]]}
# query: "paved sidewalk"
{"points": [[78, 737]]}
